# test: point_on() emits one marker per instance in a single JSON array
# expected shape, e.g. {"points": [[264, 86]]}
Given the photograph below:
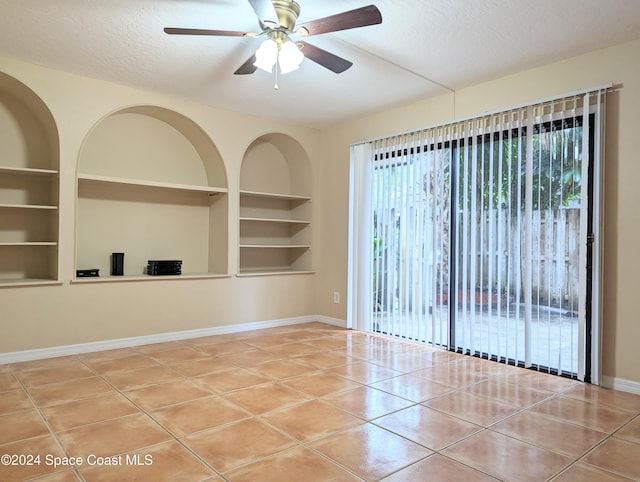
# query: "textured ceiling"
{"points": [[422, 48]]}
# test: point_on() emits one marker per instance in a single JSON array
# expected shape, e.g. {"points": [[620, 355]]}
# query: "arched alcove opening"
{"points": [[275, 207], [29, 186], [276, 163], [152, 185]]}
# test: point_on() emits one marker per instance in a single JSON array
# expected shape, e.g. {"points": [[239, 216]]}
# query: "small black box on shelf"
{"points": [[117, 264], [87, 273], [165, 262], [160, 267]]}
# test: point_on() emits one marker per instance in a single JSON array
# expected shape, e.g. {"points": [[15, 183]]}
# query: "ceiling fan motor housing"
{"points": [[287, 11]]}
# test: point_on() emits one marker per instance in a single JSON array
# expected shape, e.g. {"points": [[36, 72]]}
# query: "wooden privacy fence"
{"points": [[500, 255], [493, 256]]}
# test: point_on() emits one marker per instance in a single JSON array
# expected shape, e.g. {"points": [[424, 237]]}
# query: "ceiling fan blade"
{"points": [[326, 59], [265, 11], [199, 31], [360, 17], [247, 67]]}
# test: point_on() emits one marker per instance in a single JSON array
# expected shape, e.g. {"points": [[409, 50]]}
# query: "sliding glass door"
{"points": [[483, 235], [518, 236], [411, 200]]}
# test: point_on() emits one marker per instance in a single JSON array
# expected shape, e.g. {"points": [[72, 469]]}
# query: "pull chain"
{"points": [[276, 86]]}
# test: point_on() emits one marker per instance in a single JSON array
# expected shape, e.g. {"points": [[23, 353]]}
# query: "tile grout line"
{"points": [[52, 432], [173, 436], [603, 441], [299, 443], [221, 395], [259, 417], [306, 444], [134, 403]]}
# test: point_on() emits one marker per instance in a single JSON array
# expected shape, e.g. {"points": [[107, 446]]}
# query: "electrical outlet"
{"points": [[336, 297]]}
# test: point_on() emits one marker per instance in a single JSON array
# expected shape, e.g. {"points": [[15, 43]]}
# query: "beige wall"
{"points": [[618, 65], [49, 316]]}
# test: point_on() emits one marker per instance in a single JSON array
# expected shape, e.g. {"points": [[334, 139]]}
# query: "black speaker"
{"points": [[117, 264]]}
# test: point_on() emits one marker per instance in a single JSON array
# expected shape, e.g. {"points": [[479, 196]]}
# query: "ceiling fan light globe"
{"points": [[290, 57], [266, 55]]}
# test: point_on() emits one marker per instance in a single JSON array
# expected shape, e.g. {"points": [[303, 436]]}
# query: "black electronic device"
{"points": [[164, 267], [87, 273], [117, 264]]}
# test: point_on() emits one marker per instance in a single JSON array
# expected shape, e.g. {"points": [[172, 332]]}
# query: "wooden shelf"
{"points": [[283, 197], [16, 283], [275, 246], [274, 220], [127, 278], [154, 184], [271, 272], [27, 171], [29, 243], [28, 206]]}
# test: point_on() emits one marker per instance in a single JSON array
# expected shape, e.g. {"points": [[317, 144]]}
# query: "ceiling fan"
{"points": [[277, 19]]}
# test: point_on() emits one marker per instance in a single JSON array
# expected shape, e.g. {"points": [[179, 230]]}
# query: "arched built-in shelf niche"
{"points": [[275, 208], [151, 185], [29, 187]]}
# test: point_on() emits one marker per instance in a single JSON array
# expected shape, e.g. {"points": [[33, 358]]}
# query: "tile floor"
{"points": [[307, 403]]}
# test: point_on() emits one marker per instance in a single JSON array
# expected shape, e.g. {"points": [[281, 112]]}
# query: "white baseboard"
{"points": [[621, 384], [331, 321], [41, 353]]}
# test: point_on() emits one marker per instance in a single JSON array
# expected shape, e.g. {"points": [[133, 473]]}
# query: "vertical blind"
{"points": [[479, 235]]}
